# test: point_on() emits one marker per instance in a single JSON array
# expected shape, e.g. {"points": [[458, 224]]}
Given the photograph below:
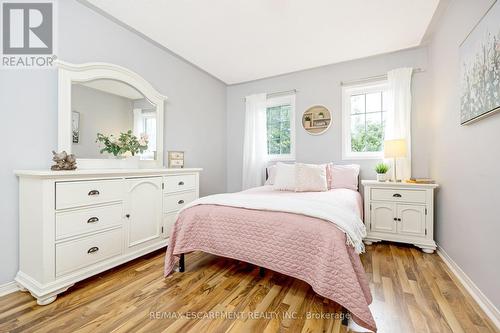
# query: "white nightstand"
{"points": [[400, 212]]}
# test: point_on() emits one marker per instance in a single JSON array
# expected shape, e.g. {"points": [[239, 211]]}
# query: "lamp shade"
{"points": [[395, 148]]}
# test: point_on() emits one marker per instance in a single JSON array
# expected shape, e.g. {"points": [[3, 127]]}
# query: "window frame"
{"points": [[278, 101], [347, 92]]}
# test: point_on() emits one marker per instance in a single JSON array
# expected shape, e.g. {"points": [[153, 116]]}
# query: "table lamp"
{"points": [[395, 149]]}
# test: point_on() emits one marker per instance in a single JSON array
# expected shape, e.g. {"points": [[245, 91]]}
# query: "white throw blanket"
{"points": [[330, 210]]}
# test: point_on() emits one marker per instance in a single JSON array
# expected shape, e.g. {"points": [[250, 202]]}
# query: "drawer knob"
{"points": [[181, 183], [93, 249], [180, 202], [396, 195], [93, 220], [93, 192], [127, 216]]}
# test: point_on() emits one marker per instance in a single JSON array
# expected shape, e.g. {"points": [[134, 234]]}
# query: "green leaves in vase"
{"points": [[124, 143]]}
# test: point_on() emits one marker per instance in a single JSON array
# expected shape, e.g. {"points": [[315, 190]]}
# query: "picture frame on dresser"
{"points": [[400, 212]]}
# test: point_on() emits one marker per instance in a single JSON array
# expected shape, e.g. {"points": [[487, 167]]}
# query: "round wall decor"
{"points": [[316, 120]]}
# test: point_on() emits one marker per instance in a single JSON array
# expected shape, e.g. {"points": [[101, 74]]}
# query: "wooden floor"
{"points": [[413, 292]]}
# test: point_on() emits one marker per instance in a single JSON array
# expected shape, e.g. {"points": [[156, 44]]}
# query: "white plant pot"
{"points": [[381, 177]]}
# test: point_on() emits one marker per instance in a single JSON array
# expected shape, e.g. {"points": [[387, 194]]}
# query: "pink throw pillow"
{"points": [[345, 176]]}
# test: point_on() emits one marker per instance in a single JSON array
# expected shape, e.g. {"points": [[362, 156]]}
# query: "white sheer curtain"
{"points": [[255, 141], [398, 121]]}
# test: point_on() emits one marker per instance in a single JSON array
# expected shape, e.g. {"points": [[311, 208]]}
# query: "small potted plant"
{"points": [[321, 115], [381, 170], [307, 121]]}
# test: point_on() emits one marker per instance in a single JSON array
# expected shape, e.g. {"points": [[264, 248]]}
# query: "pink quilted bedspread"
{"points": [[307, 248]]}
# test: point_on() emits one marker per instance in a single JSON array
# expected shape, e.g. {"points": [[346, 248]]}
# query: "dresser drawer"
{"points": [[87, 251], [398, 195], [76, 194], [179, 183], [174, 202], [76, 222]]}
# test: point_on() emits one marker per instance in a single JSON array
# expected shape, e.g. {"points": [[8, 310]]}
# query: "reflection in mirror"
{"points": [[316, 120], [110, 107]]}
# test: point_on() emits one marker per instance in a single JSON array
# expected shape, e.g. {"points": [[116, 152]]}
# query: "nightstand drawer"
{"points": [[398, 195]]}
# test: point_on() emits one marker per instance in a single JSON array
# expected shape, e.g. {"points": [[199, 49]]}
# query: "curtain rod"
{"points": [[285, 92], [373, 78]]}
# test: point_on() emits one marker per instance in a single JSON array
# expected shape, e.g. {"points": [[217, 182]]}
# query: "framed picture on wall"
{"points": [[480, 68], [75, 126]]}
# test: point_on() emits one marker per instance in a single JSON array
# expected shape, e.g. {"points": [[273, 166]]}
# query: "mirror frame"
{"points": [[70, 73]]}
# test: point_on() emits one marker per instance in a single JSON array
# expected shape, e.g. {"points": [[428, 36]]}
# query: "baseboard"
{"points": [[484, 303], [8, 288]]}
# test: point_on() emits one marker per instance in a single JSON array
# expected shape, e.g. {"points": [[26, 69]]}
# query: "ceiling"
{"points": [[238, 41]]}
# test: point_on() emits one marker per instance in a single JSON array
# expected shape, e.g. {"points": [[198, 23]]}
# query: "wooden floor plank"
{"points": [[413, 292]]}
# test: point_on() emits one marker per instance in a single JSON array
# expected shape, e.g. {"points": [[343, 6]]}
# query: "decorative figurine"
{"points": [[64, 161]]}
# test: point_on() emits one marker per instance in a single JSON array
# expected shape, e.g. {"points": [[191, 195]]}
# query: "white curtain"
{"points": [[398, 121], [138, 127], [255, 141]]}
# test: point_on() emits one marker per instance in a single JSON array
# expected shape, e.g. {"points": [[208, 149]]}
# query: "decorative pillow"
{"points": [[310, 177], [345, 176], [285, 177], [329, 174], [271, 175]]}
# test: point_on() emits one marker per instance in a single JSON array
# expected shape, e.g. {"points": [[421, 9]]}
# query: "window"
{"points": [[280, 115], [364, 112], [145, 123]]}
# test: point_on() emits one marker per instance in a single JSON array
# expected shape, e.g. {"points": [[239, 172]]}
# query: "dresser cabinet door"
{"points": [[412, 220], [383, 216], [143, 211]]}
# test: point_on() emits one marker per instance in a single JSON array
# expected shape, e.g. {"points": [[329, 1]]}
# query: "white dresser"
{"points": [[74, 224], [400, 212]]}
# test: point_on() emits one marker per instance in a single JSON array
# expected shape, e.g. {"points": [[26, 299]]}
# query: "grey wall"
{"points": [[100, 112], [322, 86], [194, 119], [464, 159]]}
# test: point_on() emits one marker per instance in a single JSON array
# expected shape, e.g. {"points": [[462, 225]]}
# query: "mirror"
{"points": [[316, 120], [109, 117], [110, 107]]}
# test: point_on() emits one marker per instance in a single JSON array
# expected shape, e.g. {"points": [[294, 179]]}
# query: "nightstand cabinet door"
{"points": [[411, 220], [383, 217]]}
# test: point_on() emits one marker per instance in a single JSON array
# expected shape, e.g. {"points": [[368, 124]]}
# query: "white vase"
{"points": [[381, 177], [130, 162]]}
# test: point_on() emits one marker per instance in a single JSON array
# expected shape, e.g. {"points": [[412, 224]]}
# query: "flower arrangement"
{"points": [[123, 144]]}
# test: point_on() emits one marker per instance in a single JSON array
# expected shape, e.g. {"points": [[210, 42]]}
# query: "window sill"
{"points": [[363, 157], [281, 158]]}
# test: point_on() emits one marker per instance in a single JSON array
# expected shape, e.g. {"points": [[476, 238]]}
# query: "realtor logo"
{"points": [[27, 34]]}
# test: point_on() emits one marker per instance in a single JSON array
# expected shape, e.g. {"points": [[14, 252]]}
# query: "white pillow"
{"points": [[310, 177], [271, 175], [345, 176], [285, 177]]}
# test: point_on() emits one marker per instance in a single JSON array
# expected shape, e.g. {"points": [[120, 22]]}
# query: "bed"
{"points": [[312, 236]]}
